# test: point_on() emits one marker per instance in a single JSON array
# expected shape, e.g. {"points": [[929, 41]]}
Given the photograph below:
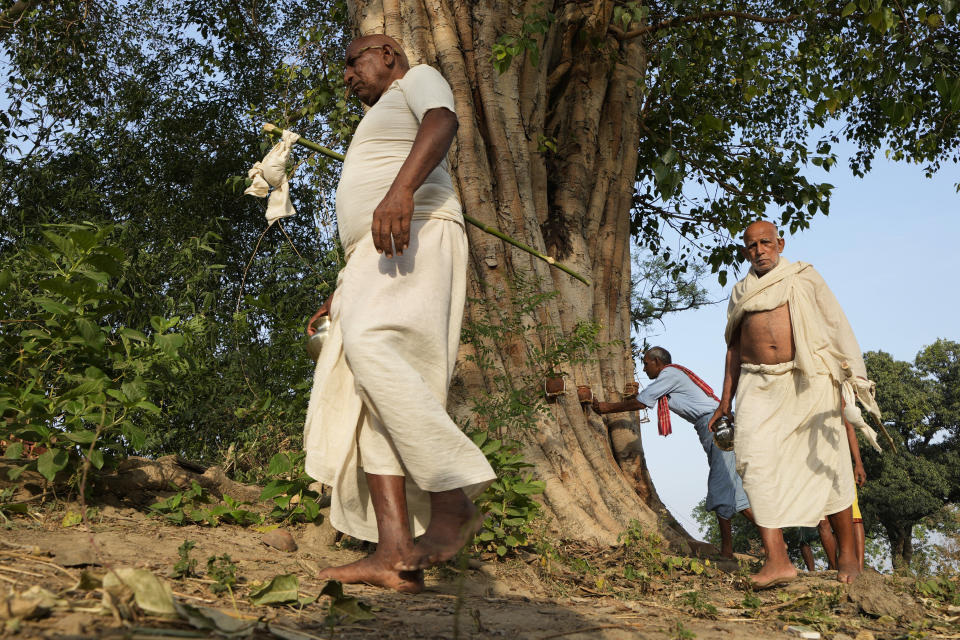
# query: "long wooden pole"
{"points": [[330, 153]]}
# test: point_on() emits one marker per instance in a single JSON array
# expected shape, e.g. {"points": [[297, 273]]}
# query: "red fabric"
{"points": [[663, 408]]}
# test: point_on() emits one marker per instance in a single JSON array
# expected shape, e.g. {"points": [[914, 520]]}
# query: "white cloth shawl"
{"points": [[823, 339]]}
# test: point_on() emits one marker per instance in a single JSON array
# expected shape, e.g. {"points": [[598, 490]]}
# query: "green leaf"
{"points": [[169, 343], [134, 390], [81, 437], [148, 406], [343, 606], [14, 450], [279, 464], [279, 590], [274, 488], [133, 334], [52, 306], [96, 458], [15, 472], [51, 461]]}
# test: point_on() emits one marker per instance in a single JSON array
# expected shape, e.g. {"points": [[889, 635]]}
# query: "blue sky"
{"points": [[890, 250]]}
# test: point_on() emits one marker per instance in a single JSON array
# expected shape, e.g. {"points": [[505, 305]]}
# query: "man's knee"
{"points": [[724, 511]]}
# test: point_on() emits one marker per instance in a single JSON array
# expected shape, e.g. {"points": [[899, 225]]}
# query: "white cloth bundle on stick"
{"points": [[272, 172]]}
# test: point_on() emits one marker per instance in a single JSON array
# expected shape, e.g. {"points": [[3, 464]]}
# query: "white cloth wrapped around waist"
{"points": [[791, 445], [380, 385]]}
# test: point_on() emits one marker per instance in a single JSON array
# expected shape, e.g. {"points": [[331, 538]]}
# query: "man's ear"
{"points": [[389, 56], [743, 252]]}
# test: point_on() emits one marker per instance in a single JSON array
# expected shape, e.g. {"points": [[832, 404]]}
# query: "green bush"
{"points": [[289, 489], [507, 501], [73, 378]]}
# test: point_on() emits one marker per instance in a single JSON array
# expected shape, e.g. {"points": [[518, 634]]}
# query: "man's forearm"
{"points": [[430, 147], [616, 407]]}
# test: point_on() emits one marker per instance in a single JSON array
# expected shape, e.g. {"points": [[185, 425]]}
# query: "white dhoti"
{"points": [[791, 446], [378, 403], [790, 439]]}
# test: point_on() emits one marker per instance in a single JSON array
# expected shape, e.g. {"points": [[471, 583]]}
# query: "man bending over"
{"points": [[693, 400], [377, 430]]}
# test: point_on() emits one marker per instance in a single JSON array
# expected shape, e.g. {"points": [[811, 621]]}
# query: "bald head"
{"points": [[762, 246], [372, 64]]}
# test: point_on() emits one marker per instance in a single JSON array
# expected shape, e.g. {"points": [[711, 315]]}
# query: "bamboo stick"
{"points": [[309, 144]]}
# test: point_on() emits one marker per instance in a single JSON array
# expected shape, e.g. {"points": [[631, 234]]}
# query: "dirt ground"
{"points": [[567, 591]]}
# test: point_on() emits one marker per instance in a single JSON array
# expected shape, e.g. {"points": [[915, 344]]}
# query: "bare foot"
{"points": [[453, 523], [772, 575], [377, 572], [848, 570]]}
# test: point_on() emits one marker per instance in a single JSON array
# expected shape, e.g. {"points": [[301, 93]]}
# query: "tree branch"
{"points": [[622, 35], [9, 17]]}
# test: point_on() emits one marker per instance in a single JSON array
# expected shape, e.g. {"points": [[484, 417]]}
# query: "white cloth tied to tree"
{"points": [[272, 172], [790, 441]]}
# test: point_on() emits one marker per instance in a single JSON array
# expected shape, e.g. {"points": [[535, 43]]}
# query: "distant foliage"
{"points": [[915, 484], [145, 139]]}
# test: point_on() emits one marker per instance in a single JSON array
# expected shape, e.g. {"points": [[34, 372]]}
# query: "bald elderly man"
{"points": [[377, 430], [791, 357]]}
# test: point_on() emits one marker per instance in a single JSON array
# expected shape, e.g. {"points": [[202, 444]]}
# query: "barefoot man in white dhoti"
{"points": [[377, 430], [791, 355]]}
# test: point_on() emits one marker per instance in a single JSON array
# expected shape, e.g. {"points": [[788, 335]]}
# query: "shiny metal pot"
{"points": [[723, 433], [315, 342]]}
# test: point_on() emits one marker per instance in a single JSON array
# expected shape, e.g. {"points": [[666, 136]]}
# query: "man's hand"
{"points": [[722, 410], [322, 311], [391, 219], [600, 407], [859, 474]]}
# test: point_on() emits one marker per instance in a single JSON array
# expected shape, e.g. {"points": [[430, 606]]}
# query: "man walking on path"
{"points": [[377, 430], [791, 354], [677, 388]]}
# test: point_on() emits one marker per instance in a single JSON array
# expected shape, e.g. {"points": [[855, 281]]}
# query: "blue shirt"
{"points": [[686, 399]]}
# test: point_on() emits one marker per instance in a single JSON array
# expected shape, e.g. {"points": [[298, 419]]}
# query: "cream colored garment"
{"points": [[824, 342], [380, 385], [791, 446], [381, 380], [380, 146], [272, 172]]}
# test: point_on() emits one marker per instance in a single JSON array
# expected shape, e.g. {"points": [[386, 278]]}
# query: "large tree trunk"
{"points": [[573, 203]]}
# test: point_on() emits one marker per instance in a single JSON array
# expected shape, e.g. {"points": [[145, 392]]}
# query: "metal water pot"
{"points": [[723, 433], [315, 342]]}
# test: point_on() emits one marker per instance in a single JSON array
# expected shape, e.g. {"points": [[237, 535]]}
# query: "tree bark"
{"points": [[572, 203]]}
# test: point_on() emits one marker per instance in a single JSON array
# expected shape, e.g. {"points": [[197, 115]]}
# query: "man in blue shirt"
{"points": [[693, 400]]}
